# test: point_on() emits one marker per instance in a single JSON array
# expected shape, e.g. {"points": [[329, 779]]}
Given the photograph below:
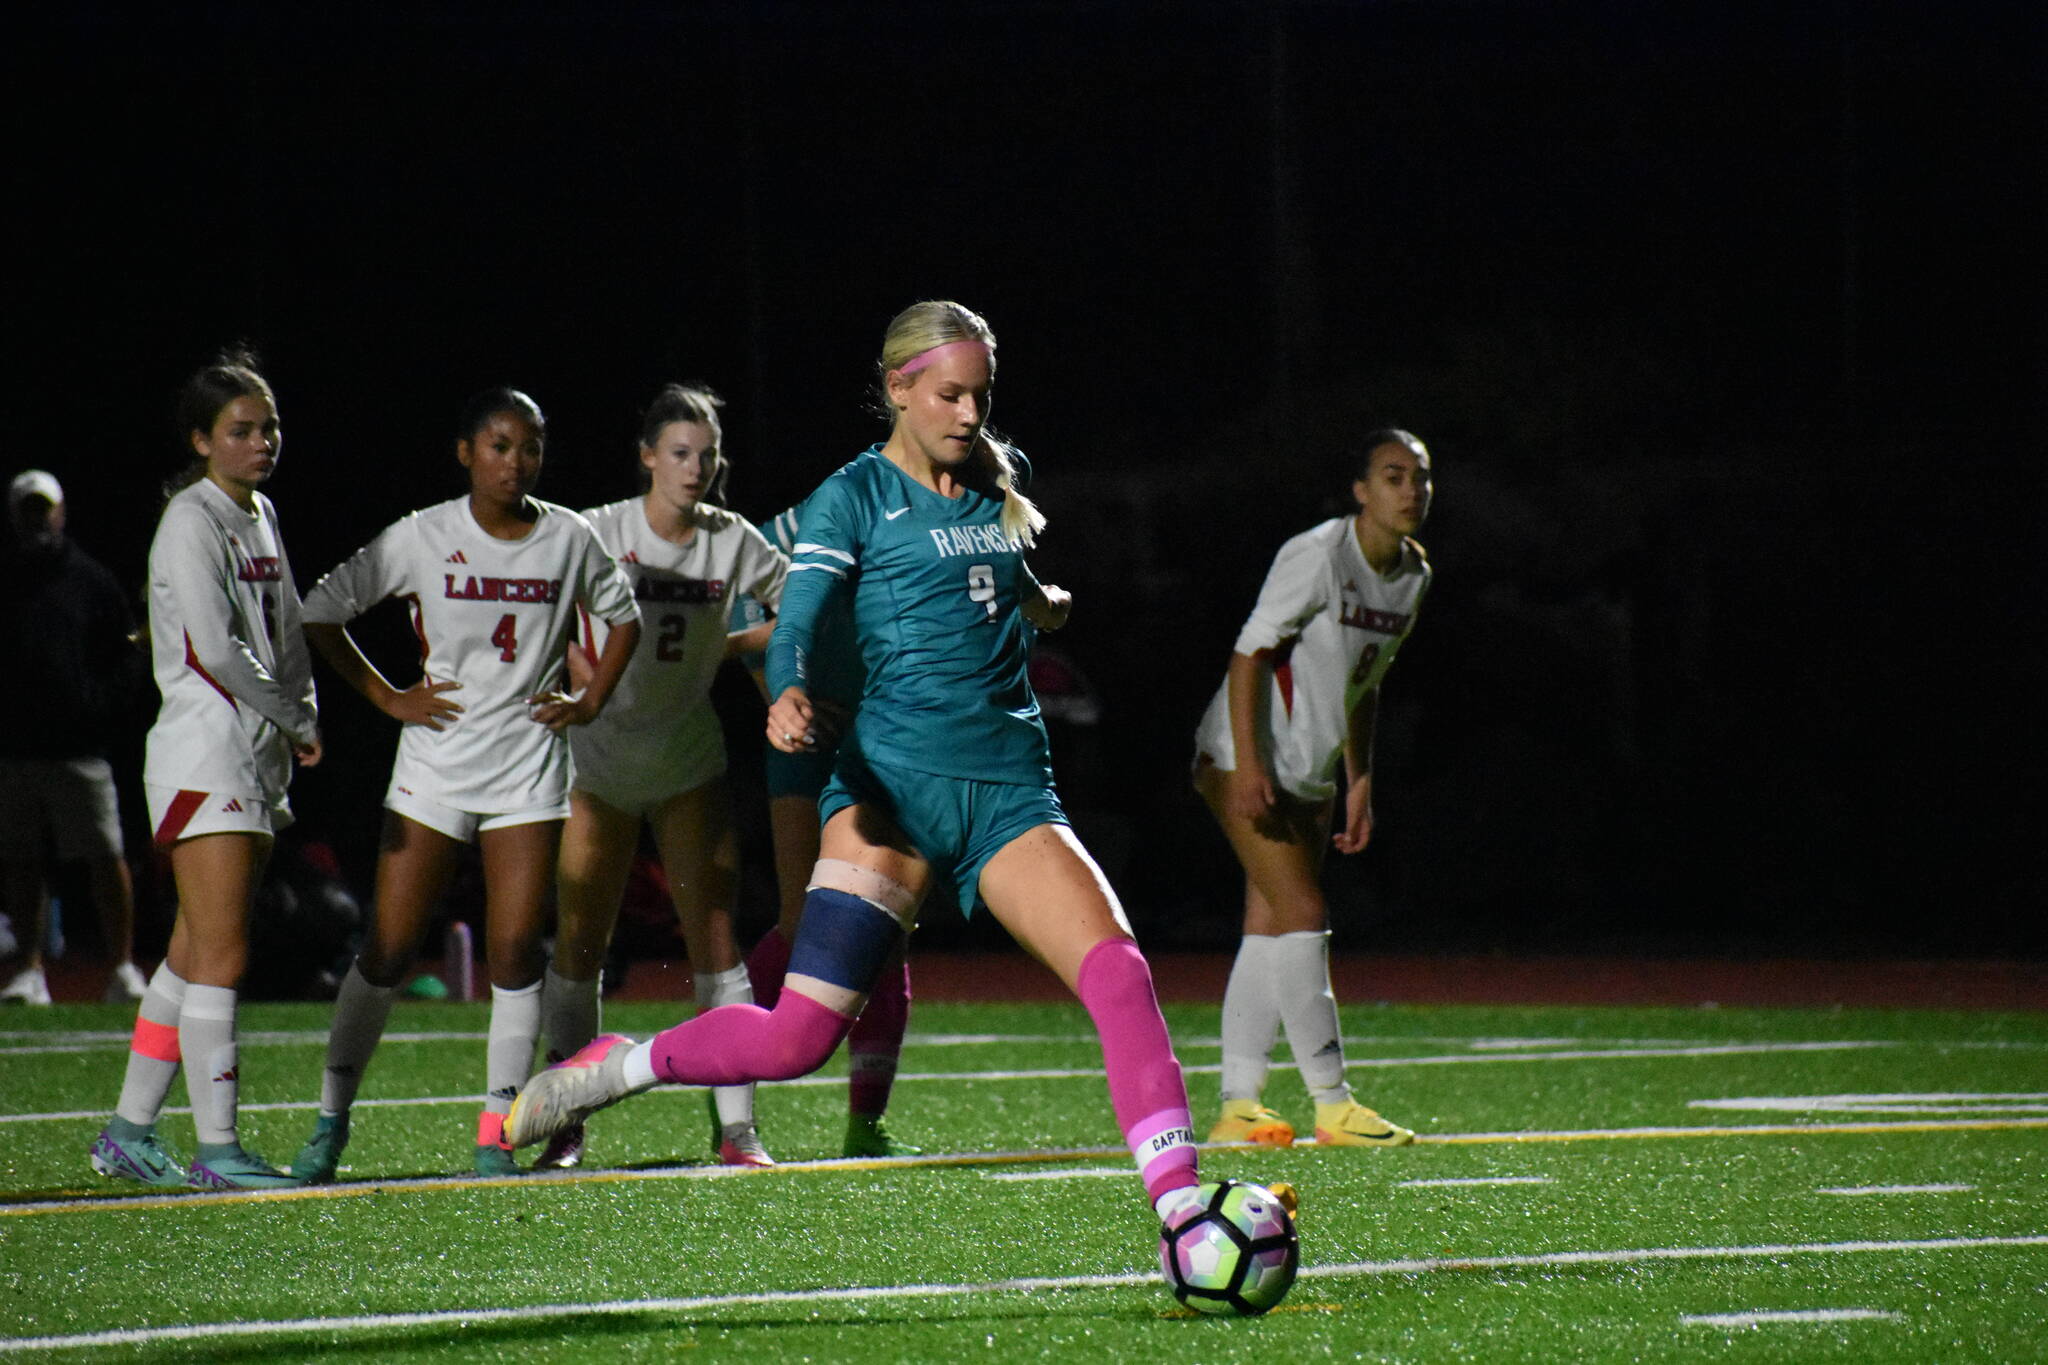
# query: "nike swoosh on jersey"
{"points": [[891, 516]]}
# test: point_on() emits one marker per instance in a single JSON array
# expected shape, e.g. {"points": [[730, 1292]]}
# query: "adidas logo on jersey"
{"points": [[630, 557], [458, 558], [232, 804]]}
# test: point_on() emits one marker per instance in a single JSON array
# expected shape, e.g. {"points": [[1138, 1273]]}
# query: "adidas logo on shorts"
{"points": [[232, 804]]}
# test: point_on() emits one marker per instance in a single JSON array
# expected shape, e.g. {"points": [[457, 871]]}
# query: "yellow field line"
{"points": [[84, 1201]]}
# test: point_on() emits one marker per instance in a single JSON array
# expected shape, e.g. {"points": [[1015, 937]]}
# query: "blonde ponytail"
{"points": [[1021, 521]]}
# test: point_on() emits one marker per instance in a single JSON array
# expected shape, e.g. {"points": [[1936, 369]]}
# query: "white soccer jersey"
{"points": [[659, 735], [1334, 625], [495, 616], [227, 648]]}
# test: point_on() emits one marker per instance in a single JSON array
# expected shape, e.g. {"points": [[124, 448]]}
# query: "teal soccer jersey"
{"points": [[936, 588], [834, 670]]}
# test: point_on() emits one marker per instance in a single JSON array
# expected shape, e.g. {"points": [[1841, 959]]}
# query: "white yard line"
{"points": [[1474, 1180], [1767, 1317], [1897, 1189], [1895, 1102], [1093, 1073], [663, 1312]]}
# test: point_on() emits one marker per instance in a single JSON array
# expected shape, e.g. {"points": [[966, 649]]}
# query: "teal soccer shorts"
{"points": [[956, 822]]}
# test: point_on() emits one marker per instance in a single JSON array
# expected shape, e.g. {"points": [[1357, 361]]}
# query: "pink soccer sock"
{"points": [[734, 1044], [876, 1042], [1145, 1086], [767, 965]]}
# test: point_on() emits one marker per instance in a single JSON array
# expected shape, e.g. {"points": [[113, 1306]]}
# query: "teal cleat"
{"points": [[868, 1136], [130, 1151], [225, 1166], [493, 1160], [320, 1158]]}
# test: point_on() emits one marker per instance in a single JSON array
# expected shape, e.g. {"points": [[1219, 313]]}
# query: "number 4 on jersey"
{"points": [[506, 638]]}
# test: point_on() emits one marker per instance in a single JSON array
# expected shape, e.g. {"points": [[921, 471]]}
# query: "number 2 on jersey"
{"points": [[506, 638], [668, 647]]}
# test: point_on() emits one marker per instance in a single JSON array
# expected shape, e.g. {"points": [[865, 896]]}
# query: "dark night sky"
{"points": [[1724, 323]]}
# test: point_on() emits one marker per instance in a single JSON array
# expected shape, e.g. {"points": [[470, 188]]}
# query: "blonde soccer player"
{"points": [[1290, 731], [237, 712], [656, 757], [947, 768], [494, 580]]}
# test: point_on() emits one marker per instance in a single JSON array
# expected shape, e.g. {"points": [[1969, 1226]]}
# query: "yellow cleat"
{"points": [[1250, 1121], [1289, 1200], [1351, 1124]]}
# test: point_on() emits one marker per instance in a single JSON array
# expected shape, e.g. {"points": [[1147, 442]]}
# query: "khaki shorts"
{"points": [[61, 808]]}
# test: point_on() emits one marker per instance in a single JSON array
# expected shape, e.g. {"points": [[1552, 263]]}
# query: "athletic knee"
{"points": [[1112, 967], [800, 1046]]}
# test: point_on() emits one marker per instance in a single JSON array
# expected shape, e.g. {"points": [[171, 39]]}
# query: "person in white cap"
{"points": [[74, 665]]}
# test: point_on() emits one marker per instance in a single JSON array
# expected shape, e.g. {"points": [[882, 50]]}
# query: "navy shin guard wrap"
{"points": [[843, 939]]}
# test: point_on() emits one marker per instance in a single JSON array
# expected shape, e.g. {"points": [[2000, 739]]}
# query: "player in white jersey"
{"points": [[494, 581], [1290, 727], [657, 755], [237, 710]]}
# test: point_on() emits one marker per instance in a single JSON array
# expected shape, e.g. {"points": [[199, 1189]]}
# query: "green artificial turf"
{"points": [[1610, 1234]]}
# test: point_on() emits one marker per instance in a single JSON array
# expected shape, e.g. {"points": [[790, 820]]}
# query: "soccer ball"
{"points": [[1235, 1254]]}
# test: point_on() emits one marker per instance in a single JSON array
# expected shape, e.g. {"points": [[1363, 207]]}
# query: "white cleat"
{"points": [[29, 987], [571, 1091]]}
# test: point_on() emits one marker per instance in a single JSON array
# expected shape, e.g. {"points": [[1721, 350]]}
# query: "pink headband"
{"points": [[924, 358]]}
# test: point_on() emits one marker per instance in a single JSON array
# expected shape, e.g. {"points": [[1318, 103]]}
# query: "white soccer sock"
{"points": [[206, 1034], [639, 1067], [360, 1012], [148, 1079], [508, 1056], [1299, 977], [571, 1013], [1251, 1019], [729, 987]]}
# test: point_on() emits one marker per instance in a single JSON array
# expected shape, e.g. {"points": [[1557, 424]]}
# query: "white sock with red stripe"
{"points": [[153, 1053]]}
